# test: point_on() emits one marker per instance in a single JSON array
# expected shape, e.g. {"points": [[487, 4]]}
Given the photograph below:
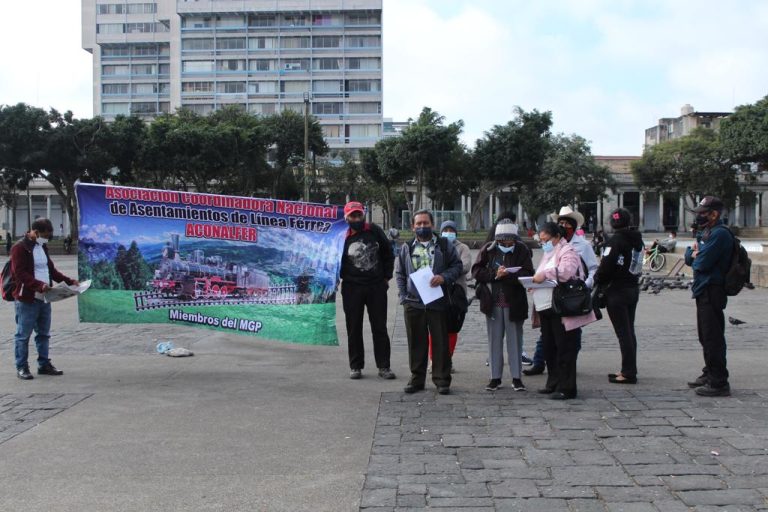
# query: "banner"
{"points": [[245, 265]]}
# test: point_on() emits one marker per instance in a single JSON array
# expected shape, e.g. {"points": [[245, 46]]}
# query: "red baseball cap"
{"points": [[353, 206]]}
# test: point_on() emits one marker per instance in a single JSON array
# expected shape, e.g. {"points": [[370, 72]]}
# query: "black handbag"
{"points": [[571, 298]]}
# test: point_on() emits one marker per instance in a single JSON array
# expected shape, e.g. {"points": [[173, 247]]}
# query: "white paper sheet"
{"points": [[421, 279], [64, 291], [512, 270], [527, 282]]}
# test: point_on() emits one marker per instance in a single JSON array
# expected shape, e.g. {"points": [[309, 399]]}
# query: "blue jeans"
{"points": [[538, 354], [32, 316]]}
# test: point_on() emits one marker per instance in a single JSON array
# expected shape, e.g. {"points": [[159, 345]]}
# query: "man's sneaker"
{"points": [[49, 369], [527, 361], [443, 390], [386, 373], [493, 385], [356, 374], [707, 390], [533, 370], [24, 373], [701, 380], [518, 385], [412, 387]]}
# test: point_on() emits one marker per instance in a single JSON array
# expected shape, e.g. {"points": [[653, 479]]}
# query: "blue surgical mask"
{"points": [[506, 250], [448, 235], [547, 246], [424, 233]]}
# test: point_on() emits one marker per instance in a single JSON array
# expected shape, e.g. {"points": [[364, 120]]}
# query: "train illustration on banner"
{"points": [[200, 280]]}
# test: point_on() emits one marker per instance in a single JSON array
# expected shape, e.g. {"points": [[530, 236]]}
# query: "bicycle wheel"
{"points": [[657, 262]]}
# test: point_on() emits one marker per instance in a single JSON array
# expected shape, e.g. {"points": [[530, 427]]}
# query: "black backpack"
{"points": [[8, 283], [738, 271]]}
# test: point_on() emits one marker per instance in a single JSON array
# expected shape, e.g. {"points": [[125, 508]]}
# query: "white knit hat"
{"points": [[505, 230]]}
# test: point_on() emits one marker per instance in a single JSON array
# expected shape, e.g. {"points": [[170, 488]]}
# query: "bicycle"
{"points": [[654, 259]]}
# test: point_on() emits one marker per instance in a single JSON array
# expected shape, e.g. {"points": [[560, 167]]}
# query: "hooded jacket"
{"points": [[617, 258]]}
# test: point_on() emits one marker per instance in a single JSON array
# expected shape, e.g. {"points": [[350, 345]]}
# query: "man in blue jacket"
{"points": [[426, 250], [710, 256]]}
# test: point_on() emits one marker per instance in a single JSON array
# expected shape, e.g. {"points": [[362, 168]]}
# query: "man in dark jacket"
{"points": [[427, 251], [366, 268], [710, 258], [34, 273]]}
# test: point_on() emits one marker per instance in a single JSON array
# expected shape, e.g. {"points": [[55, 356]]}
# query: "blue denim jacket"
{"points": [[714, 258]]}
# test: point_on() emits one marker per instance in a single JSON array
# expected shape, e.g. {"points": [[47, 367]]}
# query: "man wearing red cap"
{"points": [[367, 264]]}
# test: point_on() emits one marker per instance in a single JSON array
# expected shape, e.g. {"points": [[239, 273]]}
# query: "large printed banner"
{"points": [[245, 265]]}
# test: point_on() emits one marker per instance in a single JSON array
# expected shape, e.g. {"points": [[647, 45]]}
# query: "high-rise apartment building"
{"points": [[265, 55]]}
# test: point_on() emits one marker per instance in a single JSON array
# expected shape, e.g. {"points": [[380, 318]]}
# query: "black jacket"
{"points": [[367, 257], [484, 271], [617, 257]]}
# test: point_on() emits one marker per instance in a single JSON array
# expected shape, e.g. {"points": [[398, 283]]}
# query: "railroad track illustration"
{"points": [[155, 300]]}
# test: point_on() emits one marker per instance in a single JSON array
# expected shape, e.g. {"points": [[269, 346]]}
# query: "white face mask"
{"points": [[41, 240]]}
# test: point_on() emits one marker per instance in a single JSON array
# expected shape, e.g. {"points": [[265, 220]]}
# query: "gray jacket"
{"points": [[446, 264]]}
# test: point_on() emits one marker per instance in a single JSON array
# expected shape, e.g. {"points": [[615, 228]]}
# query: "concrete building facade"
{"points": [[264, 55]]}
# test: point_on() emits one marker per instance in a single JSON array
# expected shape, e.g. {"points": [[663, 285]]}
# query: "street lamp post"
{"points": [[306, 146]]}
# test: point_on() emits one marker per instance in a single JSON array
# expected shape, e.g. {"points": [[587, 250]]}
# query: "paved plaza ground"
{"points": [[249, 424]]}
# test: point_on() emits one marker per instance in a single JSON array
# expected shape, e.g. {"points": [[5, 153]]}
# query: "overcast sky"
{"points": [[607, 69]]}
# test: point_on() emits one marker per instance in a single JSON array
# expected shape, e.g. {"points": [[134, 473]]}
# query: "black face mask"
{"points": [[702, 219], [424, 233], [357, 225]]}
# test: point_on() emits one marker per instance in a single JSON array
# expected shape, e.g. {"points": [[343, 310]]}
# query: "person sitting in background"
{"points": [[666, 245]]}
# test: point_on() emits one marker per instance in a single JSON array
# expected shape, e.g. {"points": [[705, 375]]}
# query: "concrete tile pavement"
{"points": [[249, 424]]}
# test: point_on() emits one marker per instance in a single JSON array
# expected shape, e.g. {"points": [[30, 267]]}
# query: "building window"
{"points": [[363, 63], [143, 69], [262, 43], [197, 66], [197, 44], [326, 41], [200, 108], [144, 89], [262, 65], [365, 108], [230, 65], [363, 85], [115, 70], [114, 109], [327, 64], [263, 109], [294, 42], [294, 21], [293, 107], [115, 51], [142, 8], [294, 87], [231, 43], [114, 89], [261, 20], [363, 130], [295, 64], [197, 87], [326, 108], [326, 86], [363, 41], [110, 28], [196, 22], [230, 87], [262, 87], [229, 21], [332, 131], [363, 19], [165, 107]]}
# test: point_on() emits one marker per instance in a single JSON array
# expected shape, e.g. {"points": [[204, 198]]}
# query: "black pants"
{"points": [[710, 322], [621, 306], [419, 324], [560, 353], [356, 298]]}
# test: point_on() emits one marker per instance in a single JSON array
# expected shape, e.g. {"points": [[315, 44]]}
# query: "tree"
{"points": [[285, 131], [569, 175], [133, 270], [75, 150], [511, 155], [383, 168], [744, 135], [692, 165], [127, 138], [23, 130], [424, 149]]}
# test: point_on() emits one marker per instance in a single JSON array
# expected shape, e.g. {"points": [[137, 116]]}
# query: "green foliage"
{"points": [[693, 165], [102, 273], [569, 175], [133, 270], [744, 135]]}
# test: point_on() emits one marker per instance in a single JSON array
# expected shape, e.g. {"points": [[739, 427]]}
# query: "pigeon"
{"points": [[735, 321]]}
